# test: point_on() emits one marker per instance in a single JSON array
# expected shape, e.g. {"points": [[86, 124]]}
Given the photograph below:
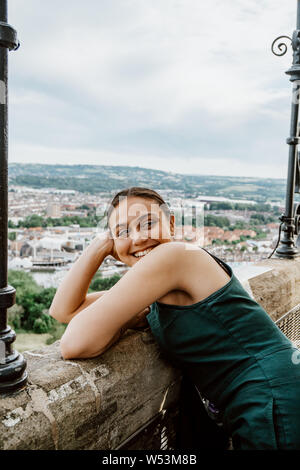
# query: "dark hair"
{"points": [[135, 191]]}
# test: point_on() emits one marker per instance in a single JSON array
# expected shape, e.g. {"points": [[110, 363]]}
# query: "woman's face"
{"points": [[137, 226]]}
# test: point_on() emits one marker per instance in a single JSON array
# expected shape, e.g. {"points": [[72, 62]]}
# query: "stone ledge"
{"points": [[98, 403], [278, 289], [88, 404]]}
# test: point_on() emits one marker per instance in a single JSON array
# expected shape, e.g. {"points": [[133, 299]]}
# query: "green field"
{"points": [[30, 341]]}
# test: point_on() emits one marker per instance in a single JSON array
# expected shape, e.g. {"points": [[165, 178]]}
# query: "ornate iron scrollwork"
{"points": [[297, 217], [280, 45]]}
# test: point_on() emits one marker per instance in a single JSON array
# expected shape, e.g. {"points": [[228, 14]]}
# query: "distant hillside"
{"points": [[108, 179]]}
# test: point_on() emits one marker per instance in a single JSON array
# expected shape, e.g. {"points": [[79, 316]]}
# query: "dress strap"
{"points": [[219, 261]]}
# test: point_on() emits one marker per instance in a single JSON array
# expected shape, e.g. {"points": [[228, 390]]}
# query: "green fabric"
{"points": [[239, 360]]}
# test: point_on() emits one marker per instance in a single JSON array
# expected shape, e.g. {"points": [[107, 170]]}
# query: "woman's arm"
{"points": [[139, 321], [72, 292], [95, 328]]}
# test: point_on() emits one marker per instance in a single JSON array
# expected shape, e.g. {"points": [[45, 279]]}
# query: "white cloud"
{"points": [[111, 72]]}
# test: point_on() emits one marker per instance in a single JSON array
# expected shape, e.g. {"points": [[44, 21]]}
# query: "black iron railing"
{"points": [[12, 364], [290, 220]]}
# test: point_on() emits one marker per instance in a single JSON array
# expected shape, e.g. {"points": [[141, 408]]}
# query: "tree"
{"points": [[213, 220], [217, 241], [11, 224], [12, 236], [33, 302], [33, 220], [258, 218], [23, 283], [240, 225], [221, 206], [100, 283]]}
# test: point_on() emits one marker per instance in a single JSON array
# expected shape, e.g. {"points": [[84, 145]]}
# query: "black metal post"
{"points": [[13, 375], [290, 219]]}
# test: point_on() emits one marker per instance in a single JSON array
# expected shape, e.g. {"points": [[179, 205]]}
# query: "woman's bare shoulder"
{"points": [[164, 250], [188, 249], [200, 274], [180, 252]]}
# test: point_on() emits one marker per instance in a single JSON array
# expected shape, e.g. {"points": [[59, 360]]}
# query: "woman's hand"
{"points": [[72, 292], [106, 240], [114, 252]]}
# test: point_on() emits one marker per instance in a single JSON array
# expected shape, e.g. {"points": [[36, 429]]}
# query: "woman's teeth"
{"points": [[142, 253]]}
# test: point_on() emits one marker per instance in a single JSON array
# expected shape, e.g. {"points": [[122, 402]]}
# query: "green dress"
{"points": [[239, 360]]}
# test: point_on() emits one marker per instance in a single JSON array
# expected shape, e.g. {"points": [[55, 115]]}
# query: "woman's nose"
{"points": [[137, 236]]}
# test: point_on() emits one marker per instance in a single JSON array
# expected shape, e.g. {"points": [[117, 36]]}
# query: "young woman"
{"points": [[201, 316]]}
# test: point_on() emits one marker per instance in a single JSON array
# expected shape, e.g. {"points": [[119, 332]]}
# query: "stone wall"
{"points": [[277, 290], [100, 403]]}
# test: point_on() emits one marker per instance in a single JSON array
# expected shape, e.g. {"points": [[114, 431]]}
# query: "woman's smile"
{"points": [[139, 254]]}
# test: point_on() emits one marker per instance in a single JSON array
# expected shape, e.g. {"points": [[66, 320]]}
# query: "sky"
{"points": [[187, 86]]}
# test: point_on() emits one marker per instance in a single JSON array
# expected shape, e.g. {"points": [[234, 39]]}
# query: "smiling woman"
{"points": [[141, 235], [71, 297], [201, 316]]}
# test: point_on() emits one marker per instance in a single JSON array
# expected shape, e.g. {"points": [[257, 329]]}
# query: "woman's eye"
{"points": [[123, 233], [148, 224]]}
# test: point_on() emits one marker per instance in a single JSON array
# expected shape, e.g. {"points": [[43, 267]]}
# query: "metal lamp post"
{"points": [[13, 375], [290, 220]]}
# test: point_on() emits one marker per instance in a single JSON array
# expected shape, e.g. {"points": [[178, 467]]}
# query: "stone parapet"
{"points": [[99, 403], [278, 289], [89, 403]]}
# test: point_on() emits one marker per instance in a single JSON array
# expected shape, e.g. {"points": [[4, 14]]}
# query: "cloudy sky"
{"points": [[189, 86]]}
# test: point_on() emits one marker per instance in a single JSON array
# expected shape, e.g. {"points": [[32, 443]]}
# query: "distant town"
{"points": [[49, 229]]}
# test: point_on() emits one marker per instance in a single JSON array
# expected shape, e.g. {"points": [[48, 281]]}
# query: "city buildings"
{"points": [[52, 247]]}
